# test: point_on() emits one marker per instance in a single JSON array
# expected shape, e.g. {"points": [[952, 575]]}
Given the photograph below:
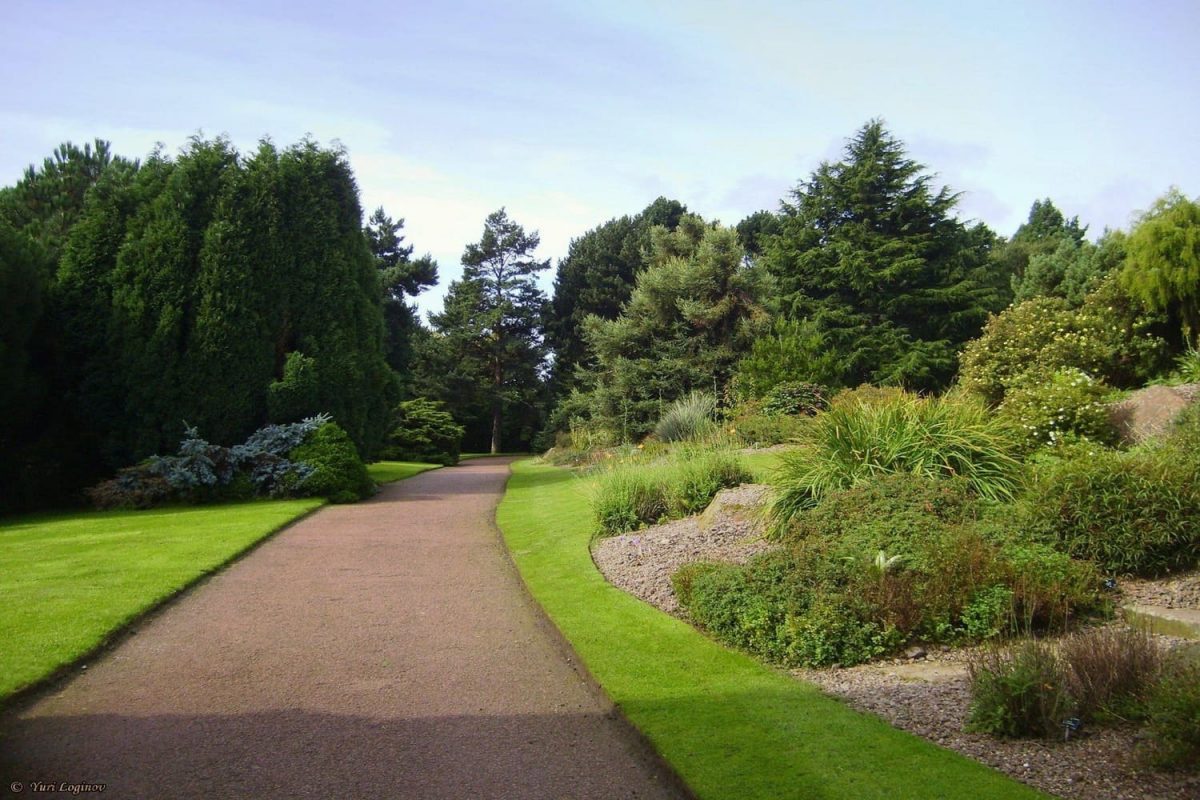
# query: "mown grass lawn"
{"points": [[731, 727], [69, 580], [389, 471]]}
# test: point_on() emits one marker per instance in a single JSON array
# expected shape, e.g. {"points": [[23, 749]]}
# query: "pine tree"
{"points": [[693, 312], [400, 276], [596, 278], [492, 320]]}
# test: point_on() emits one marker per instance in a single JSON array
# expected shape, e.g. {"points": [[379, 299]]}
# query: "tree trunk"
{"points": [[497, 381]]}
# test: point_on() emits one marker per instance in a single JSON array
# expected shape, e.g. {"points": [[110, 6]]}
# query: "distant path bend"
{"points": [[380, 650]]}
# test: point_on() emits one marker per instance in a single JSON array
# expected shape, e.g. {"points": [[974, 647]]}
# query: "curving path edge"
{"points": [[386, 649]]}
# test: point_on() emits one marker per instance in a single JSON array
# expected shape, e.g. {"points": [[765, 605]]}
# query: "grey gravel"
{"points": [[642, 562], [1178, 591]]}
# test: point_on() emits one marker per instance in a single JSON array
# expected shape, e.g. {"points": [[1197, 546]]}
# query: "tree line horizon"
{"points": [[227, 290]]}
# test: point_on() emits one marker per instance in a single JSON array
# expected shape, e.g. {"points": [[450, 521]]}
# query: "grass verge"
{"points": [[69, 581], [389, 471], [730, 726]]}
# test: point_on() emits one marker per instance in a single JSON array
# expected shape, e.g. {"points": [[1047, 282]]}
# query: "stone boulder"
{"points": [[1149, 412], [743, 505]]}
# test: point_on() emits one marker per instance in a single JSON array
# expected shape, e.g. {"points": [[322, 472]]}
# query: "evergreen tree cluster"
{"points": [[231, 290], [216, 288]]}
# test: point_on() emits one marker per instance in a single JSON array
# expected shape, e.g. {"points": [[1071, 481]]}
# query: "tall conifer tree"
{"points": [[492, 319], [871, 253]]}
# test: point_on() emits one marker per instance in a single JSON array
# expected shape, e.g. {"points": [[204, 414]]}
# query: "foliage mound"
{"points": [[423, 431], [861, 437], [869, 568], [1131, 512], [755, 428], [795, 398], [1110, 337], [688, 418], [637, 493], [1046, 407], [337, 471], [272, 462]]}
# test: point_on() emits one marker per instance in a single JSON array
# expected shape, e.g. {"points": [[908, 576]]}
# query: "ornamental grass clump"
{"points": [[858, 440], [688, 418], [634, 494], [1018, 691]]}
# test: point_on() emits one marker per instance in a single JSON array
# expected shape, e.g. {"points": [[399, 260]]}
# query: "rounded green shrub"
{"points": [[830, 632], [755, 428], [795, 398], [1111, 336], [1048, 407], [422, 430], [338, 472]]}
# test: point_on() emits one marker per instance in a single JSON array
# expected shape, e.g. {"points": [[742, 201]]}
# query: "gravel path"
{"points": [[1180, 591], [381, 650]]}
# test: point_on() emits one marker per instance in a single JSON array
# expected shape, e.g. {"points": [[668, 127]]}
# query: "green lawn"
{"points": [[69, 580], [388, 471], [730, 726]]}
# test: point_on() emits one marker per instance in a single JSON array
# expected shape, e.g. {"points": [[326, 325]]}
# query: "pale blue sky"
{"points": [[572, 113]]}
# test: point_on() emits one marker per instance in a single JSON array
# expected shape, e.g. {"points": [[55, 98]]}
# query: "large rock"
{"points": [[742, 505], [1149, 412]]}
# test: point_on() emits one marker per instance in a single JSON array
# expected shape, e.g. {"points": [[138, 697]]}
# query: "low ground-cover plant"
{"points": [[638, 492], [1173, 714], [862, 437], [301, 459], [422, 430], [872, 567], [687, 419]]}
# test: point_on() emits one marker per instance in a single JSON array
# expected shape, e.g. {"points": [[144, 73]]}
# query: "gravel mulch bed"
{"points": [[642, 562], [928, 695], [1179, 591]]}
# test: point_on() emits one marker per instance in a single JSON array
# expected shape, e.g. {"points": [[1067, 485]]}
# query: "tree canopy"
{"points": [[1163, 260], [596, 278], [693, 310], [871, 254]]}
